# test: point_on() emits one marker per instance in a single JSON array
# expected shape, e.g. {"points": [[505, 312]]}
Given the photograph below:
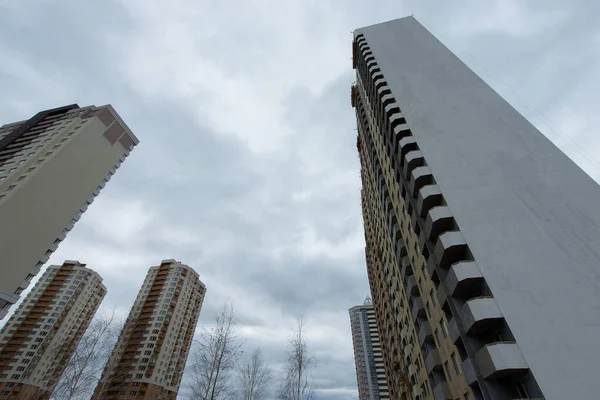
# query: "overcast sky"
{"points": [[247, 168]]}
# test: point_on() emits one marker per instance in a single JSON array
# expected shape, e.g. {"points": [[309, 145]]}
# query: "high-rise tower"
{"points": [[149, 357], [370, 371], [39, 338], [482, 237], [51, 168]]}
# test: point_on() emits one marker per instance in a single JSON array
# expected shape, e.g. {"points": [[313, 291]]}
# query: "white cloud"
{"points": [[241, 98], [509, 17]]}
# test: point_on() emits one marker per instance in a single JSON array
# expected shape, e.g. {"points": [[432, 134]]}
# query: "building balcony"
{"points": [[421, 176], [397, 119], [464, 279], [406, 352], [454, 330], [384, 88], [439, 219], [480, 314], [430, 267], [405, 145], [442, 392], [469, 371], [411, 286], [425, 334], [413, 159], [501, 360], [24, 284], [429, 197], [403, 333], [401, 131], [406, 270], [442, 298], [433, 361], [389, 98], [412, 370], [418, 310], [450, 248], [415, 392], [400, 250]]}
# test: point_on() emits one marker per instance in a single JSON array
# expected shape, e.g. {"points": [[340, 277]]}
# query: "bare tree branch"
{"points": [[295, 383], [254, 377], [85, 365], [214, 358]]}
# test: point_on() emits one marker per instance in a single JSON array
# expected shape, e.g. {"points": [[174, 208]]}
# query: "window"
{"points": [[456, 363], [19, 291], [48, 253], [444, 327], [2, 178], [11, 187], [448, 371]]}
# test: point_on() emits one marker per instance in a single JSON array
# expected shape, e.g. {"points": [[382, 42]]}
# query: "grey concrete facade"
{"points": [[51, 168], [513, 204]]}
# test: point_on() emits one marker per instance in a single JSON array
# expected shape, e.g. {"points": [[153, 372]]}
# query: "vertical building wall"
{"points": [[370, 370], [150, 355], [51, 168], [38, 340], [474, 221]]}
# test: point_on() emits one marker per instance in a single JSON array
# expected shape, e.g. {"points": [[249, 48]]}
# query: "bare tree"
{"points": [[254, 377], [85, 365], [214, 357], [115, 376], [296, 383]]}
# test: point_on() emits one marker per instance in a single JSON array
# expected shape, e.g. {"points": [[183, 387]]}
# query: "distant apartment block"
{"points": [[482, 237], [150, 355], [39, 338], [370, 370], [51, 168]]}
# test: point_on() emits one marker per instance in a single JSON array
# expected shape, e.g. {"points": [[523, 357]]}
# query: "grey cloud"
{"points": [[275, 229]]}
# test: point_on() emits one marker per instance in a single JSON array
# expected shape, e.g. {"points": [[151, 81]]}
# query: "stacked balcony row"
{"points": [[479, 328]]}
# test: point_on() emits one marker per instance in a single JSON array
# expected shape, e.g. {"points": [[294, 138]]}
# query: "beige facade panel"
{"points": [[51, 168]]}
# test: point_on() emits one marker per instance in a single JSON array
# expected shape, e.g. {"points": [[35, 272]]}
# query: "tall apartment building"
{"points": [[150, 355], [39, 338], [482, 237], [370, 370], [51, 168]]}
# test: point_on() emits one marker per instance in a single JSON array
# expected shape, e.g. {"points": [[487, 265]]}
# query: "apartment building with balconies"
{"points": [[52, 166], [150, 355], [368, 357], [482, 237], [40, 337]]}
